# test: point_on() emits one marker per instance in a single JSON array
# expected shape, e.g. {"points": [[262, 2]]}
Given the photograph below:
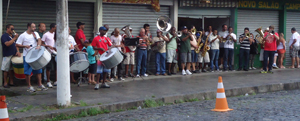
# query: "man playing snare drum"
{"points": [[9, 50], [27, 40]]}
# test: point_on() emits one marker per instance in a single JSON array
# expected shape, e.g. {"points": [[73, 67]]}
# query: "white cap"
{"points": [[267, 29]]}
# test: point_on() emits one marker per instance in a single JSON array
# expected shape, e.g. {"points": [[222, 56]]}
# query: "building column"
{"points": [[1, 28], [282, 24], [98, 13], [174, 13]]}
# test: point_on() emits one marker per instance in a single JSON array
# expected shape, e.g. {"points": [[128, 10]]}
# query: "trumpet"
{"points": [[179, 33], [248, 35], [14, 33]]}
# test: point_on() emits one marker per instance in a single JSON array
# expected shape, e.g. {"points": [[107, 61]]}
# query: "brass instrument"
{"points": [[248, 35], [179, 33], [206, 48], [128, 34], [163, 23], [14, 33], [194, 31], [261, 36], [199, 45]]}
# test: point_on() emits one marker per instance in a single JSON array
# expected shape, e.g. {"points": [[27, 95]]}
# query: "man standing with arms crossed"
{"points": [[26, 41], [186, 57]]}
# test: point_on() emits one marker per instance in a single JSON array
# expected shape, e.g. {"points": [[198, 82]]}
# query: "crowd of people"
{"points": [[193, 51]]}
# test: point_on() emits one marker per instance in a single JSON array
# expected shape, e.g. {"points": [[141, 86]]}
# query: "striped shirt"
{"points": [[143, 44], [245, 44]]}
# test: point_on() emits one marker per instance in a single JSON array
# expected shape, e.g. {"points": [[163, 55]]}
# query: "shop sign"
{"points": [[292, 6], [259, 4]]}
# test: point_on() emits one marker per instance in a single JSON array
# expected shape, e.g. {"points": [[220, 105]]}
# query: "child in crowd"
{"points": [[92, 60]]}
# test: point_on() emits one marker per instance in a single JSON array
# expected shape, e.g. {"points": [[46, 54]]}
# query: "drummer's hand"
{"points": [[102, 49], [18, 54]]}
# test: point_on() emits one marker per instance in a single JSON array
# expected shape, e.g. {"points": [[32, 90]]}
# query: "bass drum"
{"points": [[78, 62], [18, 67], [111, 58]]}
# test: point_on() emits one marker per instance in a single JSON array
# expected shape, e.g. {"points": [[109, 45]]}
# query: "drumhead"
{"points": [[34, 54], [17, 60], [78, 53], [108, 54], [79, 66]]}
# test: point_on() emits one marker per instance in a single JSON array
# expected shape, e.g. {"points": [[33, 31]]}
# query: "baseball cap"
{"points": [[102, 28], [267, 29], [79, 23], [130, 28], [86, 41], [184, 27]]}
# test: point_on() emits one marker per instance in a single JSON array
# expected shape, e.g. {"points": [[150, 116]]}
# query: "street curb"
{"points": [[168, 99]]}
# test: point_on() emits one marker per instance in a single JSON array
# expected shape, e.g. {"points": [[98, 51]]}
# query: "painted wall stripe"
{"points": [[221, 95]]}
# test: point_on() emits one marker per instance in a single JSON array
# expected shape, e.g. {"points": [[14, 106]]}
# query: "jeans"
{"points": [[160, 63], [228, 55], [120, 68], [270, 55], [142, 61], [194, 56], [244, 59], [214, 58]]}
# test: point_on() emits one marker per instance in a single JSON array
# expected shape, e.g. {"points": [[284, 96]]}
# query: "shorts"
{"points": [[276, 54], [6, 64], [282, 51], [221, 52], [101, 69], [28, 70], [186, 57], [261, 55], [52, 64], [171, 56], [194, 56], [93, 68], [206, 58], [129, 60], [294, 52]]}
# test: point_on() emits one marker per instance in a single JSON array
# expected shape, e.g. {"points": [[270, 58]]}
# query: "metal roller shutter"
{"points": [[37, 11], [292, 20], [254, 19], [119, 15]]}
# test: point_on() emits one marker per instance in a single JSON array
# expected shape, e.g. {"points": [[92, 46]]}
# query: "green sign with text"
{"points": [[268, 4]]}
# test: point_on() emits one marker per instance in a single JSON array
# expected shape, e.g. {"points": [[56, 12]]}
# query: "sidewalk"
{"points": [[28, 106]]}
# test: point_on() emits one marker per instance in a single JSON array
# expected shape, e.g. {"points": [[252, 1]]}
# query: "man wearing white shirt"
{"points": [[223, 34], [214, 40], [48, 40], [27, 40], [294, 47], [229, 49]]}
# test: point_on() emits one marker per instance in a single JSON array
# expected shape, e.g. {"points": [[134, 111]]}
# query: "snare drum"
{"points": [[79, 62], [111, 58], [18, 66], [38, 58]]}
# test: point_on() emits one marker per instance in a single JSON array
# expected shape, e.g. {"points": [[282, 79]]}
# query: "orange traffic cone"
{"points": [[3, 109], [221, 101]]}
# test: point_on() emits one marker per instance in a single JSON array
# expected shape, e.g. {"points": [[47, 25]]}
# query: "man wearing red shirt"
{"points": [[101, 43], [270, 39], [79, 36]]}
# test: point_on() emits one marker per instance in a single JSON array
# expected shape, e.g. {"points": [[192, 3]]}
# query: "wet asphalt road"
{"points": [[275, 106]]}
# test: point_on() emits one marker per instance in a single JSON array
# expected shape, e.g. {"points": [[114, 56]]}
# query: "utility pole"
{"points": [[63, 62]]}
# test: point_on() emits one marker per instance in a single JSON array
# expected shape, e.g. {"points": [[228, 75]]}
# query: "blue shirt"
{"points": [[8, 50], [91, 52]]}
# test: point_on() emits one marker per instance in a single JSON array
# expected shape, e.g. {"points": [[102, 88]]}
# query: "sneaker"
{"points": [[31, 89], [137, 76], [221, 66], [218, 70], [104, 85], [145, 75], [49, 85], [188, 72], [111, 79], [121, 79], [275, 66], [270, 72], [250, 68], [96, 87], [225, 70], [253, 68], [203, 70], [183, 72], [212, 71], [55, 84], [42, 88], [263, 71]]}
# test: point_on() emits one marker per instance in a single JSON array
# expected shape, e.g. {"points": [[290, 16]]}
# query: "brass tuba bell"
{"points": [[163, 23], [127, 31]]}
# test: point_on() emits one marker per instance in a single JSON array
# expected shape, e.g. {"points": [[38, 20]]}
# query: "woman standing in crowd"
{"points": [[281, 50]]}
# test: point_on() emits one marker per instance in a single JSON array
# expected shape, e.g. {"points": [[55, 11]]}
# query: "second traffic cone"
{"points": [[3, 109], [221, 101]]}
